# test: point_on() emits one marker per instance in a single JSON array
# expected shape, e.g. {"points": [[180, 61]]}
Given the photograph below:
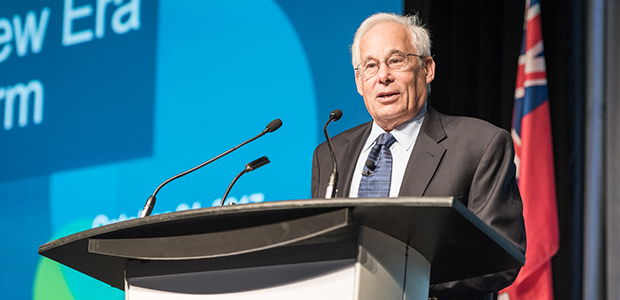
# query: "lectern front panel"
{"points": [[318, 280], [384, 268]]}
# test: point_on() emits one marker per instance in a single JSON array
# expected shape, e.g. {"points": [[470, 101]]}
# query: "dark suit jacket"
{"points": [[453, 156]]}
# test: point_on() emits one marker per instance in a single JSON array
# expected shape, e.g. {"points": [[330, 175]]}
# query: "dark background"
{"points": [[476, 47]]}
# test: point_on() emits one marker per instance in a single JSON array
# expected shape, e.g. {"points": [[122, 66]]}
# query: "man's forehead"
{"points": [[385, 39]]}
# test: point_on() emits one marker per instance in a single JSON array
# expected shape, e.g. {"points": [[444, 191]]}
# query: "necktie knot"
{"points": [[386, 139]]}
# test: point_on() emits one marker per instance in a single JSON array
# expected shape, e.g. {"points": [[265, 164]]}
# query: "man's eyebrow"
{"points": [[368, 57], [392, 52]]}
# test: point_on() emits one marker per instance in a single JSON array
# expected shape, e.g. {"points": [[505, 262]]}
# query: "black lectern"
{"points": [[372, 248]]}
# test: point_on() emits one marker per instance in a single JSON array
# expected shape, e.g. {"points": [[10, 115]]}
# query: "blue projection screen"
{"points": [[102, 100]]}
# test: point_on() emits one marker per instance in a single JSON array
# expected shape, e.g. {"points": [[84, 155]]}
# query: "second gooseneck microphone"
{"points": [[150, 202], [249, 167], [331, 190]]}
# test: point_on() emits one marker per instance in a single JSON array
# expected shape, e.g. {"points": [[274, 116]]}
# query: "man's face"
{"points": [[393, 97]]}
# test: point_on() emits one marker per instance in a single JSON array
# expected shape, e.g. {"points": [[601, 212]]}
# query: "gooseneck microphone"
{"points": [[331, 190], [150, 202], [249, 167]]}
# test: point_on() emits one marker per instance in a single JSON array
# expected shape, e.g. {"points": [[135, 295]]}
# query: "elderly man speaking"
{"points": [[410, 149]]}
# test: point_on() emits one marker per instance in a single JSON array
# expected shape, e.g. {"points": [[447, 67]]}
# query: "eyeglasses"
{"points": [[395, 62]]}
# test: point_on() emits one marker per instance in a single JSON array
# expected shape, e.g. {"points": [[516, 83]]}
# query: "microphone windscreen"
{"points": [[336, 115], [274, 125], [255, 164], [370, 164]]}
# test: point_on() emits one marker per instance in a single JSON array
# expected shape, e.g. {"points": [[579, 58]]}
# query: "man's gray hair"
{"points": [[419, 34]]}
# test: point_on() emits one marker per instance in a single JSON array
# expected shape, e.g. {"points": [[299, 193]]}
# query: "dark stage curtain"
{"points": [[476, 46]]}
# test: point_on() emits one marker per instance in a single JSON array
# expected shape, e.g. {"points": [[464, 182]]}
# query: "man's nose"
{"points": [[384, 74]]}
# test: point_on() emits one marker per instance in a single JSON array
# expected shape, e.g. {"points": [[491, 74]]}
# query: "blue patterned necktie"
{"points": [[376, 183]]}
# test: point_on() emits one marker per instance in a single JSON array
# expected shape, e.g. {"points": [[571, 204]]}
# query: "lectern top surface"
{"points": [[442, 229]]}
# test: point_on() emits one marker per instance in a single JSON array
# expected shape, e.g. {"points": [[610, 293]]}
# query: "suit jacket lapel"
{"points": [[425, 157], [347, 155]]}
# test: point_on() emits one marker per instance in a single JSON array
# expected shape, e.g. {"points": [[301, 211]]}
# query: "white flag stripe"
{"points": [[533, 11], [519, 93], [535, 82]]}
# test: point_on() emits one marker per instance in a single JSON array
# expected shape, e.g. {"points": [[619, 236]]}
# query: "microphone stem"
{"points": [[230, 186], [205, 163], [331, 190], [329, 142]]}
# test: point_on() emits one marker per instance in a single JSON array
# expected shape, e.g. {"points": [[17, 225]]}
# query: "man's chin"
{"points": [[390, 114], [390, 121]]}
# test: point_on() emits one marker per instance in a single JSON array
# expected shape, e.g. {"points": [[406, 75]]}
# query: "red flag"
{"points": [[531, 133]]}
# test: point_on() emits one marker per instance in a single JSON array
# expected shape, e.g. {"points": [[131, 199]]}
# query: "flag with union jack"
{"points": [[531, 133]]}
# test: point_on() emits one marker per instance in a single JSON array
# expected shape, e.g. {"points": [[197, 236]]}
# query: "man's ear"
{"points": [[358, 83], [429, 65]]}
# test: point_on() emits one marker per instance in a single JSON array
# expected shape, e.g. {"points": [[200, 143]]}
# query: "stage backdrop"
{"points": [[101, 101]]}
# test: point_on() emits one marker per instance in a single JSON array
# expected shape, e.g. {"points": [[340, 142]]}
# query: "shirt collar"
{"points": [[405, 133]]}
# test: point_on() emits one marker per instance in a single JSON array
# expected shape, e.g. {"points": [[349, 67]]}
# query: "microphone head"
{"points": [[335, 115], [255, 164], [273, 125], [370, 164]]}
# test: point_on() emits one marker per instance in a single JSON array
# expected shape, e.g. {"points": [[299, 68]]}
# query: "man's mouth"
{"points": [[386, 95]]}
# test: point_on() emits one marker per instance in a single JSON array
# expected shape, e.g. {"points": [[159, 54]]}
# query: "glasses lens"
{"points": [[397, 61], [370, 68]]}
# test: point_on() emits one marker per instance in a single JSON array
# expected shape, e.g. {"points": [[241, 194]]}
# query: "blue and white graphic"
{"points": [[78, 84], [102, 100]]}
